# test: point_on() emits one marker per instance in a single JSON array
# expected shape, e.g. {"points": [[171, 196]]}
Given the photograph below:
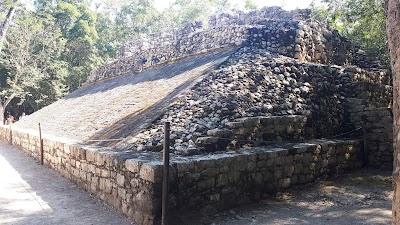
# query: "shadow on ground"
{"points": [[363, 197]]}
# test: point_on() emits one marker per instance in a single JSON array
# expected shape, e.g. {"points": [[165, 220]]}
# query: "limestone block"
{"points": [[261, 164], [133, 165], [99, 158], [89, 177], [285, 183], [234, 125], [206, 184], [105, 185], [109, 160], [205, 141], [91, 168], [191, 177], [120, 180], [75, 173], [224, 169], [122, 193], [298, 168], [83, 175], [105, 173], [233, 176], [151, 173], [332, 161], [219, 132], [135, 183], [209, 172], [298, 157], [77, 152], [324, 163], [72, 162], [278, 174], [113, 175], [222, 180]]}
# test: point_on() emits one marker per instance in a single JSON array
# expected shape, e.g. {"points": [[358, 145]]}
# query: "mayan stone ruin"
{"points": [[257, 102]]}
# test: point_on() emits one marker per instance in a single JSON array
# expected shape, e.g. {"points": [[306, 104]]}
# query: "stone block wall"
{"points": [[376, 126], [379, 137], [257, 87], [132, 182], [255, 131], [220, 181], [291, 34]]}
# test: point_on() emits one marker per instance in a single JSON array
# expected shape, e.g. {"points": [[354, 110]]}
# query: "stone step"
{"points": [[255, 131]]}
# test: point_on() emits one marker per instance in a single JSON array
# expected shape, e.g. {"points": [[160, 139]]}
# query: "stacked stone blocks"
{"points": [[132, 182]]}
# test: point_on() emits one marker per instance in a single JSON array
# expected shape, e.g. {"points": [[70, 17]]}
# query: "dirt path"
{"points": [[364, 197], [36, 195]]}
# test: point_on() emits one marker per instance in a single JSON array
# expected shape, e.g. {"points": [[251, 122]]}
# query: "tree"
{"points": [[137, 17], [7, 21], [392, 11], [362, 21], [182, 12], [77, 23], [250, 5], [31, 62]]}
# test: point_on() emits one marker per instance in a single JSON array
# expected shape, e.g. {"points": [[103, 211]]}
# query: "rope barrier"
{"points": [[360, 128], [105, 140], [273, 142], [232, 139]]}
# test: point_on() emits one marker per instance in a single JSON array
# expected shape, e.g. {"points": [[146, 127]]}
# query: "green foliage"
{"points": [[182, 12], [107, 43], [134, 18], [51, 50], [250, 5], [30, 61], [77, 23], [362, 21]]}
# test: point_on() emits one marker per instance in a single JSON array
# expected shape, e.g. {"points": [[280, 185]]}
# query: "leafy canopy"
{"points": [[362, 21]]}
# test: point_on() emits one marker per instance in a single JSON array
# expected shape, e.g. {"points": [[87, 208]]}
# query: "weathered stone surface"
{"points": [[132, 165], [265, 93]]}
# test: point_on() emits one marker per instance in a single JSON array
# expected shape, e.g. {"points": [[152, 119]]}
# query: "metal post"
{"points": [[366, 160], [41, 145], [164, 218], [11, 139]]}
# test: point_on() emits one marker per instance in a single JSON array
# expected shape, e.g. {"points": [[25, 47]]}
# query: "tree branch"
{"points": [[6, 24]]}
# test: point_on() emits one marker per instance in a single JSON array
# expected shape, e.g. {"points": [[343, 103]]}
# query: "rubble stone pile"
{"points": [[256, 95], [289, 33]]}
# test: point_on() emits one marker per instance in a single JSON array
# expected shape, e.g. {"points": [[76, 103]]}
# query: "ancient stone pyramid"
{"points": [[248, 79]]}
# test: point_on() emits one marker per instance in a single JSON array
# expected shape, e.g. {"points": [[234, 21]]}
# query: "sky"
{"points": [[285, 4]]}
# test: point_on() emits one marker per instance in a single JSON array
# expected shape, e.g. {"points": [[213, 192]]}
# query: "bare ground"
{"points": [[31, 194], [363, 197]]}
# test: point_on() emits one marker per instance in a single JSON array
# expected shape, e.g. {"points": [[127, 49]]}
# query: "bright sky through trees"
{"points": [[286, 4]]}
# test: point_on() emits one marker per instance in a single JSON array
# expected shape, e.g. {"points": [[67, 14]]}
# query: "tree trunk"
{"points": [[3, 105], [2, 110], [6, 24], [392, 11]]}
